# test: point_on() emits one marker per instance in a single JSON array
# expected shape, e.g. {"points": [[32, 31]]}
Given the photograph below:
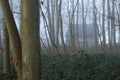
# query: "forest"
{"points": [[59, 39]]}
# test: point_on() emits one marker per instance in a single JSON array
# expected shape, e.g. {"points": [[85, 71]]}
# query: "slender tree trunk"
{"points": [[95, 24], [83, 24], [61, 28], [77, 25], [52, 20], [49, 21], [51, 26], [72, 26], [30, 40], [57, 24], [119, 23], [13, 35], [109, 26], [103, 24], [113, 33], [6, 54]]}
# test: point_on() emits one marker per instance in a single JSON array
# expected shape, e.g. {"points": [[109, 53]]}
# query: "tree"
{"points": [[6, 55], [57, 24], [83, 23], [76, 29], [113, 31], [103, 24], [30, 40], [13, 35], [108, 23], [119, 20], [61, 27], [52, 19], [71, 14], [95, 23]]}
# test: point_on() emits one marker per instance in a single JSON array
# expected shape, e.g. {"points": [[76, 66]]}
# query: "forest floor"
{"points": [[89, 66]]}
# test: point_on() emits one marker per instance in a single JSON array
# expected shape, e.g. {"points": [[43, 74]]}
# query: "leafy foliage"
{"points": [[79, 67]]}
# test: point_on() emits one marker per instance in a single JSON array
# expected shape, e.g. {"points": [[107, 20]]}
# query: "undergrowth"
{"points": [[79, 67]]}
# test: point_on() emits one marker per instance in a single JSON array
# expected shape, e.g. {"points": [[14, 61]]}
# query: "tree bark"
{"points": [[103, 24], [57, 24], [30, 40], [61, 28], [13, 35], [113, 31], [6, 55], [83, 25], [95, 24], [109, 26], [77, 43]]}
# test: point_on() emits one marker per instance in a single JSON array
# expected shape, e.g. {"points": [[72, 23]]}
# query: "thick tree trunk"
{"points": [[13, 35], [30, 40]]}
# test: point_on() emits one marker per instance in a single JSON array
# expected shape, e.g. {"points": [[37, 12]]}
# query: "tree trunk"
{"points": [[83, 25], [113, 33], [61, 28], [109, 26], [95, 24], [13, 35], [30, 40], [119, 22], [103, 24], [77, 43], [57, 24], [52, 20], [6, 55]]}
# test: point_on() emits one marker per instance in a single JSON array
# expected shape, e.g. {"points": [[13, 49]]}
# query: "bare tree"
{"points": [[95, 23], [113, 33], [57, 24], [108, 23], [103, 23], [83, 25], [61, 27], [77, 43]]}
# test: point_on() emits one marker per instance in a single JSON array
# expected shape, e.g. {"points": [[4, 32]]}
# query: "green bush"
{"points": [[81, 67]]}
